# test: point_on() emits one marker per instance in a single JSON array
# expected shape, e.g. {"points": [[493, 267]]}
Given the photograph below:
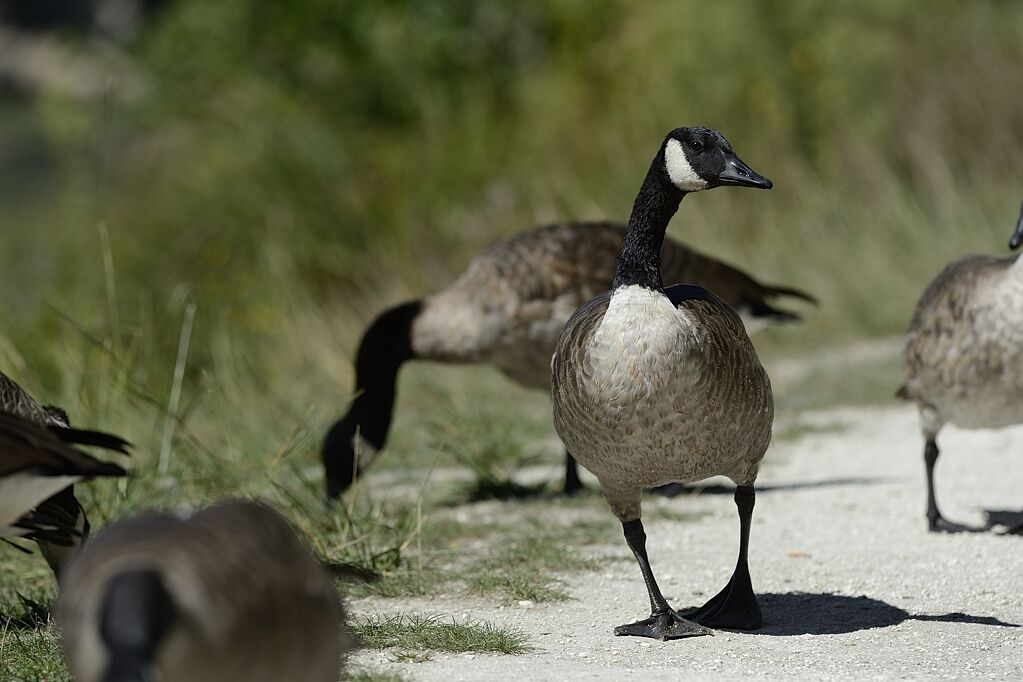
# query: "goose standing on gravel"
{"points": [[230, 593], [655, 385], [964, 355], [38, 467], [507, 310]]}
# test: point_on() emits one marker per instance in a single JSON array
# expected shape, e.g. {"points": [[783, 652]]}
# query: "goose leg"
{"points": [[664, 623], [735, 607], [573, 484], [935, 521]]}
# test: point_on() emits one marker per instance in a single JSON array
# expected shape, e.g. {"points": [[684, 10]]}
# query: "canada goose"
{"points": [[507, 309], [60, 511], [38, 463], [653, 385], [230, 593], [964, 355]]}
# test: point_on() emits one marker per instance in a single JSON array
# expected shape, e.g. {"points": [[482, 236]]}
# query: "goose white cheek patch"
{"points": [[680, 172]]}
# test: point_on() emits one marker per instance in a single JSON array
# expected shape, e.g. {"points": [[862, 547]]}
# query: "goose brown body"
{"points": [[964, 348], [510, 304], [654, 387], [248, 601]]}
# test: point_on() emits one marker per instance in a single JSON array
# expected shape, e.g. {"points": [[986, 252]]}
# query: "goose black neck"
{"points": [[385, 346], [639, 261], [137, 613]]}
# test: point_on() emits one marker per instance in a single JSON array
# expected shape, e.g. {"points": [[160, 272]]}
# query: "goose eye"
{"points": [[696, 146]]}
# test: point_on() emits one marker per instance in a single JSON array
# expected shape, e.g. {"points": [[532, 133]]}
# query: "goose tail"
{"points": [[100, 439]]}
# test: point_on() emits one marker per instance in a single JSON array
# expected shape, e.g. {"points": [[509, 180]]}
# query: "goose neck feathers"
{"points": [[639, 261]]}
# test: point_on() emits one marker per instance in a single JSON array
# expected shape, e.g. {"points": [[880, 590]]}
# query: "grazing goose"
{"points": [[36, 465], [230, 593], [964, 355], [653, 385], [61, 512], [507, 309]]}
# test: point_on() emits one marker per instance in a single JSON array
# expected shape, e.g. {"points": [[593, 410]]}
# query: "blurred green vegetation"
{"points": [[318, 159]]}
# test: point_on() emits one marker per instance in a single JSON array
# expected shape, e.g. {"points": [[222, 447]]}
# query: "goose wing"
{"points": [[36, 463], [681, 263], [16, 400]]}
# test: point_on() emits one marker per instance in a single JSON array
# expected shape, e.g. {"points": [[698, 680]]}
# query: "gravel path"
{"points": [[851, 584]]}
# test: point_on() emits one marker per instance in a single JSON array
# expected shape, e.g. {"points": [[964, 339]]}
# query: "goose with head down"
{"points": [[653, 385], [507, 309]]}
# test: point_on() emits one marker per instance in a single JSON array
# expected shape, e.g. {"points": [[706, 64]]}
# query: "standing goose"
{"points": [[36, 465], [964, 355], [230, 593], [653, 385], [59, 511], [507, 310]]}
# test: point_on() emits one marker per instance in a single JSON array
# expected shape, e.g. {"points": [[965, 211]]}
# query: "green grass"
{"points": [[353, 674], [829, 384], [799, 430], [31, 654], [436, 633]]}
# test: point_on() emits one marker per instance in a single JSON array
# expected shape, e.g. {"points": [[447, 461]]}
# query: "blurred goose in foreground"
{"points": [[653, 385], [38, 466], [230, 593], [964, 355], [507, 310]]}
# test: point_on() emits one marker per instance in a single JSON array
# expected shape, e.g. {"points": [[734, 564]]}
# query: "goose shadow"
{"points": [[813, 613], [679, 489], [482, 490]]}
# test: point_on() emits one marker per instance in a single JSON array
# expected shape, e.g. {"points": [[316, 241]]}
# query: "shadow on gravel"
{"points": [[808, 613], [677, 489], [1010, 518]]}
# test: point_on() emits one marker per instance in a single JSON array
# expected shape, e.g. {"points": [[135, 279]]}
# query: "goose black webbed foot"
{"points": [[733, 608], [939, 524], [663, 626]]}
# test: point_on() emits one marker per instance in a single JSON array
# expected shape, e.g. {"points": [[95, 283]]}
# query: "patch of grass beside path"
{"points": [[31, 654], [415, 632], [362, 675]]}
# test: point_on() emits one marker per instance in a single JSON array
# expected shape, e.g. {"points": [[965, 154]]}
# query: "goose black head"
{"points": [[701, 158], [1017, 236]]}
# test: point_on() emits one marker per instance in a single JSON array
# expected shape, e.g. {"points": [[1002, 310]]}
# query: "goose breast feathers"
{"points": [[652, 386]]}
